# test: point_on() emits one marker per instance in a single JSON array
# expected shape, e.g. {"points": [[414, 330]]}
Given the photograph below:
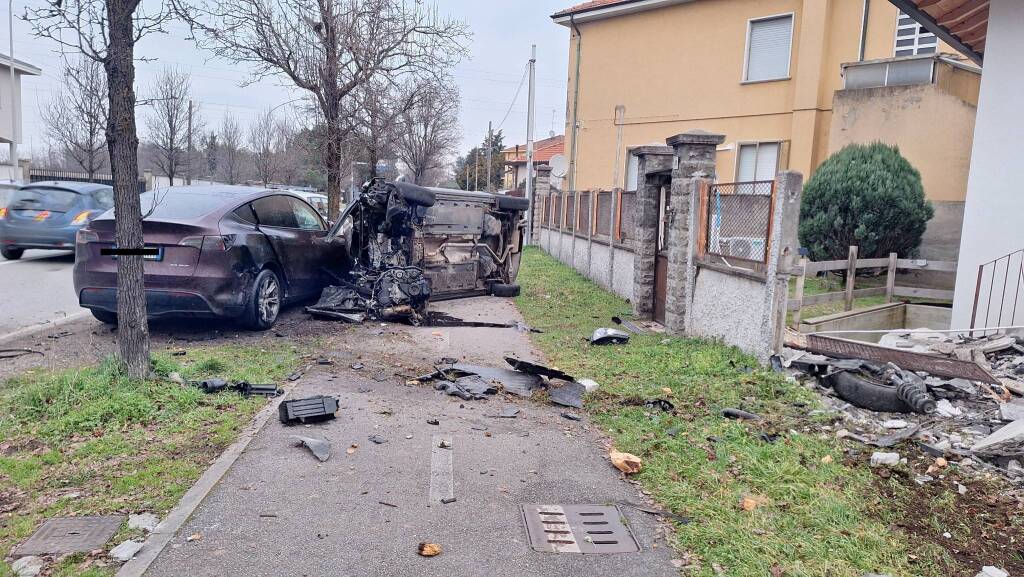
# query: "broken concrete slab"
{"points": [[880, 459], [567, 394], [321, 449], [1012, 411], [145, 521], [125, 551], [1014, 432], [28, 566]]}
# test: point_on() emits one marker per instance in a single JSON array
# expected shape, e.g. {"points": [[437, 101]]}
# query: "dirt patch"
{"points": [[979, 522]]}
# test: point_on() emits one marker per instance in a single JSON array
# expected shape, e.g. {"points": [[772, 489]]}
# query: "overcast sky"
{"points": [[499, 49]]}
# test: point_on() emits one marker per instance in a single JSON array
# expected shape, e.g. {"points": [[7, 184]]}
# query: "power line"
{"points": [[514, 98]]}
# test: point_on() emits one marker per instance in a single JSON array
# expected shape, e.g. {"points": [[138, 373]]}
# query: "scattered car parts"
{"points": [[609, 337], [321, 449], [312, 409]]}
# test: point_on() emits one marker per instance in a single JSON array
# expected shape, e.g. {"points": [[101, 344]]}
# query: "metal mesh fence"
{"points": [[739, 219]]}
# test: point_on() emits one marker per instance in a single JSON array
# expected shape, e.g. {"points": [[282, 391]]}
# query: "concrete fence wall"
{"points": [[592, 259]]}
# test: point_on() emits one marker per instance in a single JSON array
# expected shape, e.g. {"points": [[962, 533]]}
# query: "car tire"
{"points": [[12, 253], [512, 202], [264, 301], [417, 195], [504, 290], [105, 317]]}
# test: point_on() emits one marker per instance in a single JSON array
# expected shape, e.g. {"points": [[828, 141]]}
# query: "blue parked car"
{"points": [[48, 214]]}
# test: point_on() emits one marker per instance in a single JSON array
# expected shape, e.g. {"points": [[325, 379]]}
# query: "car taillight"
{"points": [[81, 218], [210, 243], [3, 212], [84, 236]]}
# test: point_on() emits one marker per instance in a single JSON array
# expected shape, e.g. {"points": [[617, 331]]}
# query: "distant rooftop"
{"points": [[20, 65]]}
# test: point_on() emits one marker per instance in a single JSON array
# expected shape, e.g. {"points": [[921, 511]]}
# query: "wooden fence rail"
{"points": [[850, 293]]}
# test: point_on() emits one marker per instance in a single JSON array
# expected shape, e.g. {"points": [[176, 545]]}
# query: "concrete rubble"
{"points": [[977, 423]]}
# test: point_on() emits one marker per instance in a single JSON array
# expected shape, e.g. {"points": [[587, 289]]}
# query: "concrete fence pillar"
{"points": [[654, 165], [789, 186], [693, 162], [541, 190]]}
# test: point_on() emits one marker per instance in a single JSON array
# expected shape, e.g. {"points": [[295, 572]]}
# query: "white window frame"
{"points": [[631, 160], [755, 143], [746, 48], [916, 37]]}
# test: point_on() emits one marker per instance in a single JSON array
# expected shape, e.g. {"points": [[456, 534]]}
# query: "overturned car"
{"points": [[408, 244]]}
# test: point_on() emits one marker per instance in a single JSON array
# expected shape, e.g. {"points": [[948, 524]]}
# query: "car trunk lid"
{"points": [[173, 258]]}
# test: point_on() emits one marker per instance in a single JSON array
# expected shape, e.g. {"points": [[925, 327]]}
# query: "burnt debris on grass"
{"points": [[476, 382]]}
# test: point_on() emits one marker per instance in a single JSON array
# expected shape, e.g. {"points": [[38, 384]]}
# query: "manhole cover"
{"points": [[583, 529], [70, 535]]}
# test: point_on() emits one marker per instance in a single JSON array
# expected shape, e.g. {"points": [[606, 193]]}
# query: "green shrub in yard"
{"points": [[867, 196]]}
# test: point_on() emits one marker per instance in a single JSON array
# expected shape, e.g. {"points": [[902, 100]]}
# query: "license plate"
{"points": [[158, 256]]}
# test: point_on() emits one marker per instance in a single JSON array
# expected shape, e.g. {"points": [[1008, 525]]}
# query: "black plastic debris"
{"points": [[567, 394], [467, 388], [377, 439], [509, 412], [609, 337], [249, 389], [740, 414], [15, 353], [535, 369], [434, 422], [312, 409], [210, 386], [571, 416], [660, 405], [889, 390], [513, 382], [321, 449], [628, 325]]}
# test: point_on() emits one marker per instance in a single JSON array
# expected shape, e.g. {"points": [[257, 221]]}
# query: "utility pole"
{"points": [[529, 145], [14, 92], [188, 148], [490, 136]]}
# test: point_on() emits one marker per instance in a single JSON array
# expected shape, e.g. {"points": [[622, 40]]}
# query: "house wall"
{"points": [[905, 116], [992, 214], [680, 67]]}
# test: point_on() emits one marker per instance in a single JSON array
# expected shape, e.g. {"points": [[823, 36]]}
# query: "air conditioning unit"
{"points": [[747, 247]]}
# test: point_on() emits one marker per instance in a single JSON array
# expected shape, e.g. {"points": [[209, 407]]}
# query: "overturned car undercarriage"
{"points": [[408, 244]]}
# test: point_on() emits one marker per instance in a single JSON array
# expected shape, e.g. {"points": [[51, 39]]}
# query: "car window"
{"points": [[104, 198], [53, 199], [179, 204], [245, 213], [305, 217], [275, 211]]}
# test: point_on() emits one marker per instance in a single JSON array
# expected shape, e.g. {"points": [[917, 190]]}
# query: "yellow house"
{"points": [[765, 73]]}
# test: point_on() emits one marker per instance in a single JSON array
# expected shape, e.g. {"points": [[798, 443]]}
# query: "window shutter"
{"points": [[747, 163], [767, 160], [768, 48]]}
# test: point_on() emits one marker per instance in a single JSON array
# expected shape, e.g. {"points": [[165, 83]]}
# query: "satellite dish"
{"points": [[559, 165]]}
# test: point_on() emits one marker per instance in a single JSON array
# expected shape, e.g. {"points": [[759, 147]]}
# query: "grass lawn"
{"points": [[88, 441], [819, 512]]}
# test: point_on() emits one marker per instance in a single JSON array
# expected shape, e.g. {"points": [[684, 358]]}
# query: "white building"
{"points": [[10, 124], [991, 262]]}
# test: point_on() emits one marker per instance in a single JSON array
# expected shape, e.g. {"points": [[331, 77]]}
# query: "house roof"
{"points": [[20, 66], [543, 151], [597, 9], [963, 24]]}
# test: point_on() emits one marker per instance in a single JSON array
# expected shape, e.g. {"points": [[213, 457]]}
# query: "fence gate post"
{"points": [[890, 278], [851, 274]]}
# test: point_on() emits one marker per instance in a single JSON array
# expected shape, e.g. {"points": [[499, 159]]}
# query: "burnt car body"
{"points": [[221, 251], [408, 244]]}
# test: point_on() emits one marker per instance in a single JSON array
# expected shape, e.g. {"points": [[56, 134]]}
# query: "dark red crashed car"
{"points": [[221, 251]]}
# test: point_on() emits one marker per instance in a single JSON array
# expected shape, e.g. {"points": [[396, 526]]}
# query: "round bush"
{"points": [[864, 195]]}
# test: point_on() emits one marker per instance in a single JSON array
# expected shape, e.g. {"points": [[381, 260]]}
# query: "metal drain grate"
{"points": [[586, 529], [70, 535]]}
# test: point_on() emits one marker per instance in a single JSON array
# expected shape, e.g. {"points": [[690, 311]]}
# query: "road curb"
{"points": [[34, 329], [180, 514]]}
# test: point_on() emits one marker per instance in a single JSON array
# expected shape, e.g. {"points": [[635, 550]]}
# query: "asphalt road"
{"points": [[280, 513], [36, 289]]}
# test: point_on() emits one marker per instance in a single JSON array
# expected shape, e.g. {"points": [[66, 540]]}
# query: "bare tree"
{"points": [[373, 113], [77, 117], [230, 144], [328, 48], [430, 132], [168, 121], [288, 149], [263, 142], [106, 31]]}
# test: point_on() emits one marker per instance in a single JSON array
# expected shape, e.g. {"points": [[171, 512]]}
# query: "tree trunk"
{"points": [[332, 158], [123, 143]]}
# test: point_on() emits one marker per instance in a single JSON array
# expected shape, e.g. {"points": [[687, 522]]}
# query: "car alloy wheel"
{"points": [[268, 300]]}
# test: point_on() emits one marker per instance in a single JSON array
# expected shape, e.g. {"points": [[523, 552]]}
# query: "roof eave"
{"points": [[601, 12], [924, 19]]}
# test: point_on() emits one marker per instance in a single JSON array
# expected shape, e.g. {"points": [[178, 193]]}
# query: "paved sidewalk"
{"points": [[279, 512]]}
